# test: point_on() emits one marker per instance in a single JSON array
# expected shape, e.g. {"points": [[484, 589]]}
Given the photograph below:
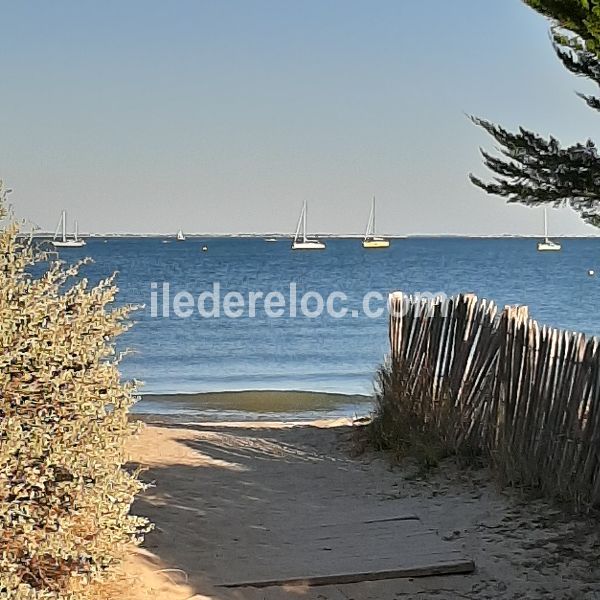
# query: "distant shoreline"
{"points": [[331, 236]]}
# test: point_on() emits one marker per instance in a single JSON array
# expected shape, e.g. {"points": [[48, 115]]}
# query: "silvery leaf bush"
{"points": [[65, 496]]}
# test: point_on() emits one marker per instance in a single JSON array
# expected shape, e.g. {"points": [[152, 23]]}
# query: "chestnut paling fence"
{"points": [[526, 395]]}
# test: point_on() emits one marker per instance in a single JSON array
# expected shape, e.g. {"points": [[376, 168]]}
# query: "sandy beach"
{"points": [[218, 487]]}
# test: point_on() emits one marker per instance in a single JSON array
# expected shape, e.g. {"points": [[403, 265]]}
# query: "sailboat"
{"points": [[371, 240], [301, 241], [180, 236], [61, 241], [547, 245]]}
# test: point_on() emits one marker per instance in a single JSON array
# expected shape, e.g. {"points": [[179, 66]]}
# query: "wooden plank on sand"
{"points": [[455, 567], [345, 553]]}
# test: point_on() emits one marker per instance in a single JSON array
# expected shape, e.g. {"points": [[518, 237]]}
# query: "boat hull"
{"points": [[69, 244], [308, 245], [373, 244], [548, 247]]}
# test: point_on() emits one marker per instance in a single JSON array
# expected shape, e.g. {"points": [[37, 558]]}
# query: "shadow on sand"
{"points": [[219, 492]]}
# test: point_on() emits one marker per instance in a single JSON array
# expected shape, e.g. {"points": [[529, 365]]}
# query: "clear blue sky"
{"points": [[222, 116]]}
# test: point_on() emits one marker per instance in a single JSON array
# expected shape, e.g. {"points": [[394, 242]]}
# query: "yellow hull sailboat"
{"points": [[371, 240], [376, 243]]}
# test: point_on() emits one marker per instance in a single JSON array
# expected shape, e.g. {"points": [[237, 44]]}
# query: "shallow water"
{"points": [[255, 406]]}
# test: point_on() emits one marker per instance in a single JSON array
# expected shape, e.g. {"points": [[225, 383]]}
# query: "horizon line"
{"points": [[284, 236]]}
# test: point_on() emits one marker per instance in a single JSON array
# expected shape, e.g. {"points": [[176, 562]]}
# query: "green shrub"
{"points": [[64, 495]]}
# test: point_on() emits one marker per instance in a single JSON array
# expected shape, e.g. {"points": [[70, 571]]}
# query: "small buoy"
{"points": [[591, 273], [204, 248]]}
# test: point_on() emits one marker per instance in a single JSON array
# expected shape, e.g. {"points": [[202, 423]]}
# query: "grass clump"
{"points": [[64, 495], [409, 422]]}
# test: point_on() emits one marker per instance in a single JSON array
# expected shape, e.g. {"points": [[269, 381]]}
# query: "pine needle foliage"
{"points": [[65, 497], [534, 170], [582, 17]]}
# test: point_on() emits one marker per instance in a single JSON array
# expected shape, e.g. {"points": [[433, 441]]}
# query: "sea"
{"points": [[208, 354]]}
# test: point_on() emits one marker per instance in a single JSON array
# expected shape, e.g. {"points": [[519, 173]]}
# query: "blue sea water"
{"points": [[174, 355]]}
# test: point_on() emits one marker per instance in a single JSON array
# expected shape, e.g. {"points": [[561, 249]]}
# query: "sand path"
{"points": [[212, 481]]}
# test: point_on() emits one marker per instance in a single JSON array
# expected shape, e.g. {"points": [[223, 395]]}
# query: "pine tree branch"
{"points": [[535, 171]]}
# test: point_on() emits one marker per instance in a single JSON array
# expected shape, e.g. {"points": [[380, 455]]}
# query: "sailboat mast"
{"points": [[373, 223], [64, 225], [304, 222], [76, 231], [296, 235], [370, 227], [546, 223]]}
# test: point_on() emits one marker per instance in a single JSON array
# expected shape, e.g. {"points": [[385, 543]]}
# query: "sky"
{"points": [[222, 116]]}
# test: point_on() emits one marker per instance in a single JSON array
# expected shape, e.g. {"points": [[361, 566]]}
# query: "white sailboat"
{"points": [[61, 241], [547, 245], [301, 241], [180, 236], [371, 240]]}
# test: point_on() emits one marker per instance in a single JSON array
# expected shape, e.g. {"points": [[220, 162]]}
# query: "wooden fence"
{"points": [[528, 396]]}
